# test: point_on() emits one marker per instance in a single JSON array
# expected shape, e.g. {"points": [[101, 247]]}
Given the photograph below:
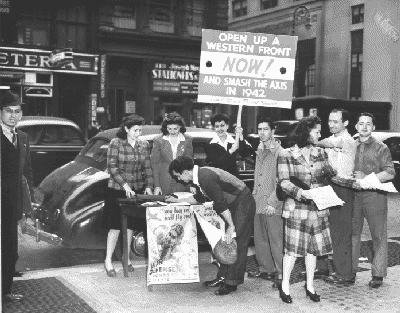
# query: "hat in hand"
{"points": [[226, 253], [9, 99]]}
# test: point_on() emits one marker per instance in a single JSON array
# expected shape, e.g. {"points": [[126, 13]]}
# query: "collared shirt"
{"points": [[7, 131], [229, 139], [342, 159], [174, 147], [129, 164], [373, 156]]}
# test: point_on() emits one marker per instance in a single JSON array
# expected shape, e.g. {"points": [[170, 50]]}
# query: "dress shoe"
{"points": [[18, 274], [335, 279], [263, 275], [225, 289], [218, 282], [376, 282], [285, 298], [110, 272], [11, 297], [131, 269], [313, 296], [277, 283]]}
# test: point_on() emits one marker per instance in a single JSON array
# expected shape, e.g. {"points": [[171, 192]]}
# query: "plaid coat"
{"points": [[291, 162], [127, 164]]}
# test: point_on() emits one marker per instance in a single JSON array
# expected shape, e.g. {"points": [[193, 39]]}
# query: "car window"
{"points": [[51, 136], [34, 133], [246, 164], [393, 144], [96, 149], [71, 136]]}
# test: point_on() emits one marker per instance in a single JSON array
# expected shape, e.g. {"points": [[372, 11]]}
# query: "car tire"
{"points": [[139, 244]]}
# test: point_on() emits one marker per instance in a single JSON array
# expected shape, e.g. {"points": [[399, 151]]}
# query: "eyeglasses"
{"points": [[9, 111]]}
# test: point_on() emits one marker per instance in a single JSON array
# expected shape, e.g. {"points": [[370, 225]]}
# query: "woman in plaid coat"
{"points": [[306, 228], [128, 163]]}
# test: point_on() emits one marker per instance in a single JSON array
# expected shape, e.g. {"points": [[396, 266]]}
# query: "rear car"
{"points": [[54, 142]]}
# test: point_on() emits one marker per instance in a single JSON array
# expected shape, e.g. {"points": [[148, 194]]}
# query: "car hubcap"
{"points": [[139, 244]]}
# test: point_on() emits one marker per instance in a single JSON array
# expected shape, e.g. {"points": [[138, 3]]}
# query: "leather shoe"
{"points": [[18, 274], [375, 283], [334, 279], [218, 282], [284, 297], [11, 297], [225, 289], [277, 283]]}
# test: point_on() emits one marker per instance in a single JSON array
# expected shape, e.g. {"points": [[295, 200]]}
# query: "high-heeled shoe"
{"points": [[313, 296], [110, 273], [285, 298]]}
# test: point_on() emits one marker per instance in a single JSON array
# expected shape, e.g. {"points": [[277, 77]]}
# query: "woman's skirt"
{"points": [[309, 236], [112, 211]]}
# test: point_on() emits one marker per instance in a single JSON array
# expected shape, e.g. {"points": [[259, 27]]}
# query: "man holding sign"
{"points": [[234, 202]]}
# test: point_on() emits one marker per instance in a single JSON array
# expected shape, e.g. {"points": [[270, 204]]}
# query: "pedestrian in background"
{"points": [[372, 156], [306, 229], [128, 163], [268, 221], [173, 142], [15, 166]]}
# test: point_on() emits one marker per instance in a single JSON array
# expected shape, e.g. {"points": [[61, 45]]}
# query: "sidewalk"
{"points": [[89, 289]]}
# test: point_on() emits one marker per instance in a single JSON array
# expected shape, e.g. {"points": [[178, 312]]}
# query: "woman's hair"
{"points": [[219, 117], [173, 119], [128, 122], [301, 134]]}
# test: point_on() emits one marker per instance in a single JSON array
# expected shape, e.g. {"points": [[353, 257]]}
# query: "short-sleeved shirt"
{"points": [[373, 156], [342, 159]]}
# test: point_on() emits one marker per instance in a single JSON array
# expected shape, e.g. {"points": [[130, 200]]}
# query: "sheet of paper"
{"points": [[373, 180], [325, 197], [183, 195]]}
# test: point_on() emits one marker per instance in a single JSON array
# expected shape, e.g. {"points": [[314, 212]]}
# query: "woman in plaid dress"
{"points": [[128, 163], [306, 228]]}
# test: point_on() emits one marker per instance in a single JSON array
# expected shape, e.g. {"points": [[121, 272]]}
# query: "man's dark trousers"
{"points": [[243, 219], [340, 223]]}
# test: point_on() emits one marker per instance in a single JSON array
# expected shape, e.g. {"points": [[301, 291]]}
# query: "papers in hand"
{"points": [[371, 181], [325, 197]]}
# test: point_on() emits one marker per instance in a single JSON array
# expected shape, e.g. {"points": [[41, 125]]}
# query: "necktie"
{"points": [[14, 138]]}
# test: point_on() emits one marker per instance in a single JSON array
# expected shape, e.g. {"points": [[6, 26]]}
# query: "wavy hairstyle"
{"points": [[128, 122], [301, 134], [181, 164], [173, 119]]}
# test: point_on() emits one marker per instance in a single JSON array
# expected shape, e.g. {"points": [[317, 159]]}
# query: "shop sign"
{"points": [[175, 77], [40, 60], [38, 92], [130, 107], [11, 75], [103, 76], [92, 108], [5, 6], [252, 69], [61, 57]]}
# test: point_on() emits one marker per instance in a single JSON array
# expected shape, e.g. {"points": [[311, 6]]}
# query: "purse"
{"points": [[281, 195]]}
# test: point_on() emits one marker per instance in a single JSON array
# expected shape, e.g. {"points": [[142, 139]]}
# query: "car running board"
{"points": [[35, 231]]}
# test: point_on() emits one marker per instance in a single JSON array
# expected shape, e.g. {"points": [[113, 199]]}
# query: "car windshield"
{"points": [[96, 149], [53, 135]]}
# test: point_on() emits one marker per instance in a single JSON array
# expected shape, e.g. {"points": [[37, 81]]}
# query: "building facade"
{"points": [[351, 50], [145, 55]]}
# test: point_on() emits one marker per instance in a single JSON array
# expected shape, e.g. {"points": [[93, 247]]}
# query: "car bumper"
{"points": [[34, 228]]}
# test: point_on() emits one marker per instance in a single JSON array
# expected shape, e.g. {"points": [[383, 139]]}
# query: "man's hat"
{"points": [[9, 99]]}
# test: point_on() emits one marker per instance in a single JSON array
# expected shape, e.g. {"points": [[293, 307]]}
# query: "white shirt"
{"points": [[342, 159], [174, 146], [7, 132], [229, 139]]}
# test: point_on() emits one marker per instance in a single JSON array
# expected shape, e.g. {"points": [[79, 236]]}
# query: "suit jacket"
{"points": [[25, 169], [162, 156]]}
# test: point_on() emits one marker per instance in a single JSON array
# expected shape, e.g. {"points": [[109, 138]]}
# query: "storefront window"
{"points": [[201, 115], [33, 32], [118, 16], [195, 17], [72, 28], [162, 17]]}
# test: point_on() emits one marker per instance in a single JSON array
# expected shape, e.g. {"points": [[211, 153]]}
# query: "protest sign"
{"points": [[250, 69], [172, 245]]}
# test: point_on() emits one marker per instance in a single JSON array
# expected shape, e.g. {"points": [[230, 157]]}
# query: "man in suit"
{"points": [[15, 163]]}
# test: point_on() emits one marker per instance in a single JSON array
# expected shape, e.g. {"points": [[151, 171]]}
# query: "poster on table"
{"points": [[242, 68], [207, 212], [172, 245]]}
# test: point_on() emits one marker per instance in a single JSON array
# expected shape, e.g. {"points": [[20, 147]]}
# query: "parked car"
{"points": [[283, 128], [392, 140], [71, 198], [54, 141]]}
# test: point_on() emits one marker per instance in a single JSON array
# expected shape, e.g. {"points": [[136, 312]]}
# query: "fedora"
{"points": [[10, 99]]}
